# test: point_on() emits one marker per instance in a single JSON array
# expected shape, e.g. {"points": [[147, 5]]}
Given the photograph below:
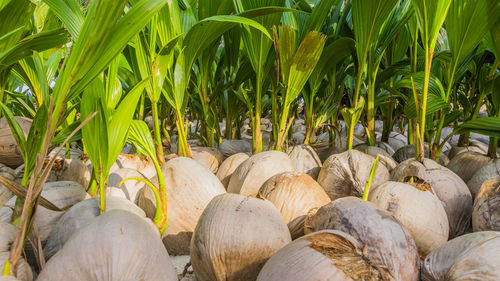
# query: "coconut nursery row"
{"points": [[266, 140]]}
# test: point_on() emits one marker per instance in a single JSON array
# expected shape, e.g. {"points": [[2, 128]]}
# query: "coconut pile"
{"points": [[269, 216]]}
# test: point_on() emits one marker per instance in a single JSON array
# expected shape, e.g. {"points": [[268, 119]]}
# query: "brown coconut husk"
{"points": [[235, 236], [9, 153], [418, 209], [437, 264], [231, 147], [228, 167], [449, 188], [117, 245], [208, 157], [294, 194], [345, 174], [253, 172], [488, 172], [486, 211], [305, 160], [190, 187], [466, 164], [323, 255], [385, 242]]}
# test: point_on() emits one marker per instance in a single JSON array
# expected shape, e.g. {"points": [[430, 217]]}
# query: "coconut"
{"points": [[117, 245], [385, 242], [70, 170], [131, 161], [9, 153], [397, 140], [228, 242], [437, 264], [228, 167], [382, 145], [489, 171], [190, 187], [346, 173], [294, 194], [418, 209], [322, 255], [474, 145], [129, 188], [208, 157], [5, 214], [449, 188], [466, 164], [230, 147], [305, 160], [7, 236], [8, 278], [253, 172], [5, 193], [384, 157], [486, 211], [81, 214], [24, 272]]}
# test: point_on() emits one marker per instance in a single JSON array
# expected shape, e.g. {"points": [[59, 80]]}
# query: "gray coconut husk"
{"points": [[235, 236], [323, 255], [384, 157], [305, 160], [294, 194], [231, 147], [5, 193], [9, 152], [449, 188], [345, 174], [487, 172], [8, 278], [437, 264], [117, 245], [228, 167], [129, 188], [408, 152], [486, 211], [208, 157], [70, 170], [474, 145], [253, 172], [24, 272], [418, 209], [397, 140], [385, 242], [80, 215], [466, 164], [382, 145], [7, 236], [5, 214], [190, 187]]}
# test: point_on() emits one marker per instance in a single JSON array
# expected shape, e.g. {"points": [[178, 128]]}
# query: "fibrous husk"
{"points": [[7, 236], [8, 278], [466, 164], [327, 255], [24, 272], [397, 140], [305, 160], [408, 152], [70, 170], [5, 193], [385, 242], [488, 172], [235, 236], [486, 211], [208, 157], [345, 174], [81, 214], [294, 194], [418, 209], [129, 188], [9, 152], [190, 187], [117, 245], [449, 188], [382, 145], [231, 147], [253, 172], [228, 167], [135, 162], [384, 157], [474, 145], [437, 264]]}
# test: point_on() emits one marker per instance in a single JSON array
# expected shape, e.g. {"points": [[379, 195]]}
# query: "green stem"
{"points": [[427, 75], [157, 132]]}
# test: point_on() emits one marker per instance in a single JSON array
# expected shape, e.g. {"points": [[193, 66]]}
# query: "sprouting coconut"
{"points": [[129, 188], [466, 164], [251, 174], [384, 156], [81, 214], [231, 147], [235, 236], [70, 170], [305, 160], [385, 242], [488, 172], [417, 208], [449, 188], [345, 174], [117, 245], [9, 153], [322, 255], [437, 264], [486, 211], [474, 145], [190, 187], [229, 165], [7, 235], [294, 194], [132, 161]]}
